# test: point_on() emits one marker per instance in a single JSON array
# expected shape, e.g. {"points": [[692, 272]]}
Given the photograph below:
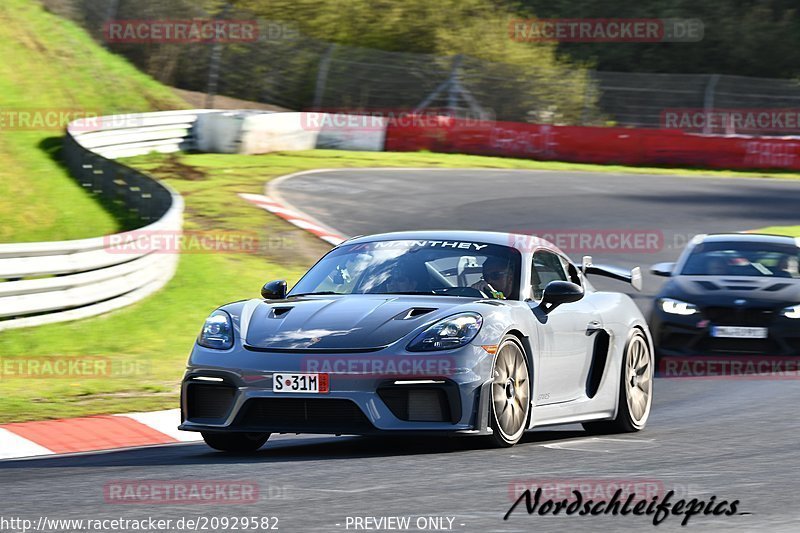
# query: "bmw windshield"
{"points": [[448, 268], [753, 259]]}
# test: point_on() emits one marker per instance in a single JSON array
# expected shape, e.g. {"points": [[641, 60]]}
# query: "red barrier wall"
{"points": [[581, 144]]}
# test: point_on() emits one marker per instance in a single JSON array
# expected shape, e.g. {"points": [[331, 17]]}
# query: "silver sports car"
{"points": [[445, 332]]}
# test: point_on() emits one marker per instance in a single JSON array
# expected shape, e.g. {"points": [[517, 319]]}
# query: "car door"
{"points": [[564, 343]]}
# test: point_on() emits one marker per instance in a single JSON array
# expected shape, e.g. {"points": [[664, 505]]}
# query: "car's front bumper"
{"points": [[677, 336], [375, 392]]}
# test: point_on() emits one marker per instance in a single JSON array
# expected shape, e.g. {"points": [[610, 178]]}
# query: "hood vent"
{"points": [[278, 312], [414, 312], [496, 303], [708, 285], [777, 287]]}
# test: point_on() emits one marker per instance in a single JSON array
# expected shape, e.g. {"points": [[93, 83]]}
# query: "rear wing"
{"points": [[632, 276]]}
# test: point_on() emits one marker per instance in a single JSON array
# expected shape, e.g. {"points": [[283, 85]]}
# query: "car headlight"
{"points": [[217, 332], [792, 312], [451, 332], [677, 307]]}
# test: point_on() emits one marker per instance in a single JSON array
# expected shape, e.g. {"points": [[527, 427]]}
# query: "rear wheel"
{"points": [[635, 389], [511, 393], [235, 442]]}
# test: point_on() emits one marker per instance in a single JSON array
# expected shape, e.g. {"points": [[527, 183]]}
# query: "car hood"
{"points": [[726, 290], [352, 322]]}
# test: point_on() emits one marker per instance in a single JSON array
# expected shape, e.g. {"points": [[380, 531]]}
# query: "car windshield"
{"points": [[756, 259], [447, 268]]}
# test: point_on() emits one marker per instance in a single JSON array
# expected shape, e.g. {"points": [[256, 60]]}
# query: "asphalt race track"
{"points": [[666, 210], [733, 440]]}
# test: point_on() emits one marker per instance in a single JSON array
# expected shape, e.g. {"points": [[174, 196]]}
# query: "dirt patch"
{"points": [[198, 100], [174, 168]]}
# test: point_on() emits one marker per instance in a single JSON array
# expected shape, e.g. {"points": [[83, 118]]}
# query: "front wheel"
{"points": [[511, 394], [235, 442], [635, 389]]}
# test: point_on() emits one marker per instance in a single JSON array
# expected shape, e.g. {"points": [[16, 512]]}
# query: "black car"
{"points": [[730, 294]]}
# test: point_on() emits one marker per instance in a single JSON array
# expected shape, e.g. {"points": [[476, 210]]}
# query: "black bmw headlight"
{"points": [[791, 312], [676, 307]]}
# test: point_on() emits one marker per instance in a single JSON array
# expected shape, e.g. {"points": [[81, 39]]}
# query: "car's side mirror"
{"points": [[662, 269], [560, 292], [274, 290]]}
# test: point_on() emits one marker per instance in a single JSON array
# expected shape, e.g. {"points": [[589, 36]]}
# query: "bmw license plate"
{"points": [[739, 332], [308, 383]]}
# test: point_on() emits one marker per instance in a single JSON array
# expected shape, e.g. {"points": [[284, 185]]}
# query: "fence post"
{"points": [[213, 75], [454, 86], [708, 101], [111, 14], [214, 64], [587, 90], [322, 76], [450, 84]]}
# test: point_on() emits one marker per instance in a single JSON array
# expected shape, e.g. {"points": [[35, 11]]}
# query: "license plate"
{"points": [[308, 383], [739, 332]]}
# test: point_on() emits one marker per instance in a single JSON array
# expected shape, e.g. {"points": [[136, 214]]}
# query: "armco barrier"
{"points": [[56, 281], [254, 132], [584, 144]]}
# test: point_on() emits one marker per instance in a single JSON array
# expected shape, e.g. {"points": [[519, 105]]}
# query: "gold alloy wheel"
{"points": [[510, 392]]}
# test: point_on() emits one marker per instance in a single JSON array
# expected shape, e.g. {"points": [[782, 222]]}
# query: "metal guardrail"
{"points": [[47, 282]]}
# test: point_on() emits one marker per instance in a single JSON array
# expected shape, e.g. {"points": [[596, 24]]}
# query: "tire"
{"points": [[235, 442], [635, 389], [510, 405]]}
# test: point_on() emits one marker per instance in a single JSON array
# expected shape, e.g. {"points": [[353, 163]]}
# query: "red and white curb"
{"points": [[110, 432], [92, 433], [295, 217]]}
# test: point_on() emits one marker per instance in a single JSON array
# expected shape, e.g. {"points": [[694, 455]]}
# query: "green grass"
{"points": [[148, 342], [47, 64], [791, 231], [341, 158]]}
